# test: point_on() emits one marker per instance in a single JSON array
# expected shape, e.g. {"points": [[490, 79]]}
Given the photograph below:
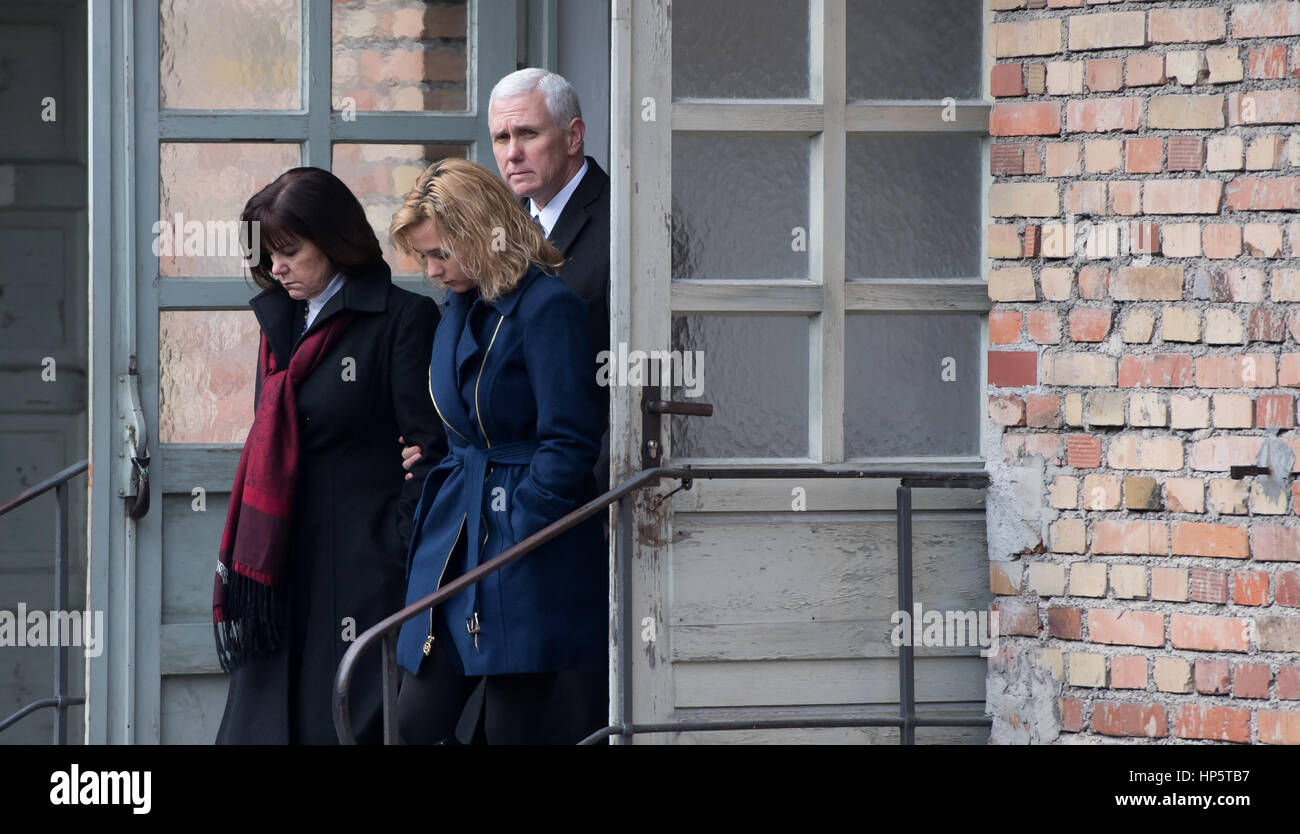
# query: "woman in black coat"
{"points": [[320, 515]]}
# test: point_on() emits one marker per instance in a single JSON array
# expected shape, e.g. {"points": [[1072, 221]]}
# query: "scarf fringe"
{"points": [[247, 628]]}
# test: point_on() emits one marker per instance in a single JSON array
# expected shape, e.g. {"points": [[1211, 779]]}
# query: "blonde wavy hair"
{"points": [[481, 224]]}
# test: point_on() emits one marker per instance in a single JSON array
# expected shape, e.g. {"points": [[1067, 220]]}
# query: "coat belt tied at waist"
{"points": [[476, 460]]}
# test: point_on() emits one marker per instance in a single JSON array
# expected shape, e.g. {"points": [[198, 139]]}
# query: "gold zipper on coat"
{"points": [[428, 644], [429, 376], [478, 414]]}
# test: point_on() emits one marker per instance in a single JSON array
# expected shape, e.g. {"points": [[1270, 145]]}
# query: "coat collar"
{"points": [[577, 212], [281, 317]]}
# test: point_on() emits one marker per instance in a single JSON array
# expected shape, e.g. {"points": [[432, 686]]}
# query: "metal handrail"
{"points": [[386, 630], [61, 701]]}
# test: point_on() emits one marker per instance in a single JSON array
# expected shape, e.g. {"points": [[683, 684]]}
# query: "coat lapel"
{"points": [[276, 313], [444, 367], [577, 211]]}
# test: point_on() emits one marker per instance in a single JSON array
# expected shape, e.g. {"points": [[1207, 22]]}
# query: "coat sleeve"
{"points": [[558, 361], [417, 421]]}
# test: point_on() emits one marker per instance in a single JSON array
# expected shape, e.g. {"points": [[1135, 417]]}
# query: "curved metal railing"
{"points": [[61, 701], [907, 721]]}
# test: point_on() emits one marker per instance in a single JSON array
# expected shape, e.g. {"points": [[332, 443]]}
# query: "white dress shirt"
{"points": [[314, 305], [550, 215]]}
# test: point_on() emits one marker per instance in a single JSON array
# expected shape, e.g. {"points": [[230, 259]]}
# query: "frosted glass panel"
{"points": [[400, 55], [380, 175], [740, 48], [208, 183], [911, 385], [229, 54], [740, 206], [206, 363], [756, 377], [912, 207], [910, 49]]}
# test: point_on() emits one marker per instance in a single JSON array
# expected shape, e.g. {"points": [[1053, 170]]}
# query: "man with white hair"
{"points": [[537, 138]]}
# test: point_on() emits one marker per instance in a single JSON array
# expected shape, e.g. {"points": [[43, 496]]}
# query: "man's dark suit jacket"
{"points": [[582, 234]]}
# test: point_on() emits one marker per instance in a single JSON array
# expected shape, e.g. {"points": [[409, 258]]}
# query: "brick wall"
{"points": [[1144, 339]]}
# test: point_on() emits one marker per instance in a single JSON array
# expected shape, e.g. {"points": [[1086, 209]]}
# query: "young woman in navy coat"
{"points": [[509, 378]]}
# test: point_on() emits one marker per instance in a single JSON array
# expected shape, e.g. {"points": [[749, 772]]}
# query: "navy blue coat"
{"points": [[518, 401]]}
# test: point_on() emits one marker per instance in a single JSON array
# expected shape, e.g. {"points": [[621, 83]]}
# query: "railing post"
{"points": [[906, 664], [61, 605]]}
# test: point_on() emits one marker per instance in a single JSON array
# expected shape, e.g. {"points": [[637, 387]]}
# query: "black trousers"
{"points": [[561, 707]]}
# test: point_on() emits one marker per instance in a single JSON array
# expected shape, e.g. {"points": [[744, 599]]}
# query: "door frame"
{"points": [[644, 298]]}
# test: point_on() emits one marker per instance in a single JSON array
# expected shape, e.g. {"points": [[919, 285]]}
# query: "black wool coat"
{"points": [[353, 508], [582, 234]]}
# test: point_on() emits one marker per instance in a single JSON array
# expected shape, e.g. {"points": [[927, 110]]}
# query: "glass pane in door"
{"points": [[203, 188], [911, 384], [410, 55], [912, 207], [206, 363], [914, 49], [754, 370], [229, 54], [740, 206], [740, 48], [380, 175]]}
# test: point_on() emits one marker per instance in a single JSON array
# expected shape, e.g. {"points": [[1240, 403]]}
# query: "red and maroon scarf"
{"points": [[255, 544]]}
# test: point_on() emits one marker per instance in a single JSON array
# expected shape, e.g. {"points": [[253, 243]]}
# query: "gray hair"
{"points": [[561, 98]]}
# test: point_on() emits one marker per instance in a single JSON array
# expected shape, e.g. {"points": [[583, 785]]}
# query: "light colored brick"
{"points": [[1138, 326], [1261, 503], [1180, 324], [1185, 495], [1226, 496], [1128, 582], [1087, 579], [1034, 37], [1180, 240], [1107, 30], [1105, 408], [1189, 412], [1181, 196], [1186, 67], [1172, 674], [1100, 492], [1225, 153], [1262, 240], [1265, 153], [1185, 112], [1064, 77], [1086, 369], [1072, 410], [1056, 282], [1146, 408], [1265, 20], [1103, 156], [1134, 452], [1224, 65], [1064, 492], [1187, 25], [1036, 199], [1224, 327], [1087, 669], [1264, 107], [1047, 579], [1213, 634], [1053, 660], [1151, 283], [1067, 535], [1014, 284], [1062, 159]]}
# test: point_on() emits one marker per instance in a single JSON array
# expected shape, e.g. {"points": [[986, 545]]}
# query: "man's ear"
{"points": [[577, 130]]}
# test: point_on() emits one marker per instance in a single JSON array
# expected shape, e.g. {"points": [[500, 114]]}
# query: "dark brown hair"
{"points": [[311, 204]]}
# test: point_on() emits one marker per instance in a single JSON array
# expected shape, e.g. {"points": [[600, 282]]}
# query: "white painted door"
{"points": [[797, 197]]}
